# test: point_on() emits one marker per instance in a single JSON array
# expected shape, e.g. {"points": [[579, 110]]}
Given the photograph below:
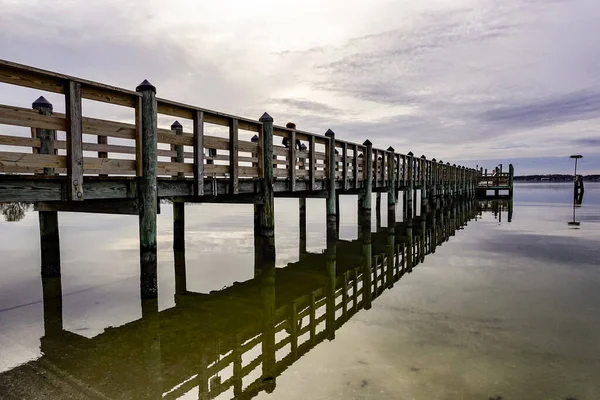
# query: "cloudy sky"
{"points": [[461, 80]]}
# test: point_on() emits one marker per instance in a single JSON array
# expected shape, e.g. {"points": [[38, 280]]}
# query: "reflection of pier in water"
{"points": [[497, 207], [238, 339]]}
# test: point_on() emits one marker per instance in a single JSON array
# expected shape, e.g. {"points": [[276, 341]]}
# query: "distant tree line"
{"points": [[554, 178]]}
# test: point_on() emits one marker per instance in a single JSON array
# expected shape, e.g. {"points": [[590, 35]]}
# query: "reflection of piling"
{"points": [[330, 266], [268, 327], [302, 224], [150, 347]]}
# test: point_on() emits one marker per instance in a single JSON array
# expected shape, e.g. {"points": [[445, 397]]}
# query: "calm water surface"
{"points": [[500, 311]]}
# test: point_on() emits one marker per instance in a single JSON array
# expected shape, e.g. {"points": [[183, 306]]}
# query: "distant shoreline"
{"points": [[554, 178]]}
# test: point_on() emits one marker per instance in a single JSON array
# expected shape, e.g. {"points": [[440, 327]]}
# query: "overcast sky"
{"points": [[452, 79]]}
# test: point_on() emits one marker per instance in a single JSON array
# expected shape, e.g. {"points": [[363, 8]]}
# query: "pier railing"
{"points": [[199, 144]]}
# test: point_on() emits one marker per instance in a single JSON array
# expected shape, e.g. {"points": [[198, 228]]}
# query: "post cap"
{"points": [[329, 133], [448, 163], [454, 165], [41, 102], [254, 139], [176, 125], [391, 149], [290, 125], [410, 154], [302, 146], [145, 85], [367, 143], [423, 157], [266, 118], [433, 159]]}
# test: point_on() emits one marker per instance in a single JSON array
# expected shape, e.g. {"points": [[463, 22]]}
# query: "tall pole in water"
{"points": [[576, 157]]}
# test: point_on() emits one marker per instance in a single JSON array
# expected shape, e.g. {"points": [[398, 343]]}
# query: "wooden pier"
{"points": [[236, 340], [72, 162], [497, 184]]}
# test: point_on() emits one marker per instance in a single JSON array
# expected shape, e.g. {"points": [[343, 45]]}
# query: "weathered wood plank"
{"points": [[18, 116], [210, 117], [11, 159], [36, 78], [104, 206], [74, 140]]}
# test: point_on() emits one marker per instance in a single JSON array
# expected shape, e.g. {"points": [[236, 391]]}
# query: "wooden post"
{"points": [[391, 223], [312, 162], [355, 166], [180, 273], [364, 220], [233, 157], [268, 206], [74, 141], [48, 220], [148, 193], [434, 178], [331, 196], [410, 186], [409, 212], [337, 213], [302, 225], [364, 198], [292, 160], [199, 153], [378, 210], [424, 185], [179, 222], [511, 179], [345, 165], [53, 305]]}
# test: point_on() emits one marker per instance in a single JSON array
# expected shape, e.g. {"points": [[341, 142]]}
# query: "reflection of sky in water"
{"points": [[500, 310]]}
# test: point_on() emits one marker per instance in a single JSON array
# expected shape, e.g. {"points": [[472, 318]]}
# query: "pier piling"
{"points": [[148, 192]]}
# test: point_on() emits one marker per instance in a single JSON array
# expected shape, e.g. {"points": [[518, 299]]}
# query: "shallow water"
{"points": [[500, 310]]}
